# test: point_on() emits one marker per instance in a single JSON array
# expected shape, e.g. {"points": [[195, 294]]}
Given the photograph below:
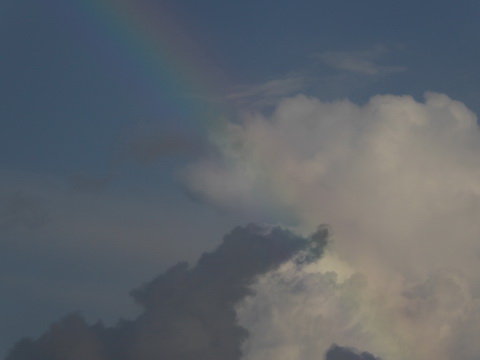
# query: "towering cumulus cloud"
{"points": [[189, 313], [398, 182]]}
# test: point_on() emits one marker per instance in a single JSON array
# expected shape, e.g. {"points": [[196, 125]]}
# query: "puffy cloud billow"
{"points": [[188, 313], [398, 182]]}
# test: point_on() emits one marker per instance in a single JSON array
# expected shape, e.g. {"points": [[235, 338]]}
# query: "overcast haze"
{"points": [[137, 135]]}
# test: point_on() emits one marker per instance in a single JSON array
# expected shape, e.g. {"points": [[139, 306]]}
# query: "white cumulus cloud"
{"points": [[398, 182]]}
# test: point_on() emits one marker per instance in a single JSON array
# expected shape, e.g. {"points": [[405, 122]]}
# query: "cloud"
{"points": [[344, 353], [154, 147], [360, 62], [21, 210], [92, 184], [103, 243], [398, 182], [356, 72], [148, 146], [188, 313], [267, 93]]}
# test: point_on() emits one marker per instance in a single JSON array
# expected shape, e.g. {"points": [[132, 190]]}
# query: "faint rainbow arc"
{"points": [[155, 45]]}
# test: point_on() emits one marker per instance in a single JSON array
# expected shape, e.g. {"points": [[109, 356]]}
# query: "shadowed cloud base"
{"points": [[189, 313]]}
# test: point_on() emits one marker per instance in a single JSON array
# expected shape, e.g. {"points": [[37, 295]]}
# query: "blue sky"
{"points": [[94, 143]]}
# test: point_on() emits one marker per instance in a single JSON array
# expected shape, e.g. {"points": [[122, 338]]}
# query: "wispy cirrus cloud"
{"points": [[268, 92], [360, 62], [348, 71]]}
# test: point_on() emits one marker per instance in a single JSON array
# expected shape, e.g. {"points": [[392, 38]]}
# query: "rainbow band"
{"points": [[146, 41]]}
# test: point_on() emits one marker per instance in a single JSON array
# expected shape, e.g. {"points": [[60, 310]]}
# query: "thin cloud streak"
{"points": [[267, 93], [360, 62], [348, 71]]}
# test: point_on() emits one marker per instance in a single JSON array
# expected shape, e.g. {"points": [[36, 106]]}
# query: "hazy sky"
{"points": [[136, 134]]}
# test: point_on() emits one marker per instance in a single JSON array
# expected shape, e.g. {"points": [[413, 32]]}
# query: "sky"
{"points": [[322, 155]]}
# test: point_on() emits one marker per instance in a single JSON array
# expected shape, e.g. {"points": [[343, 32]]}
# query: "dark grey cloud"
{"points": [[155, 146], [188, 312], [336, 352], [142, 148], [88, 183], [22, 210]]}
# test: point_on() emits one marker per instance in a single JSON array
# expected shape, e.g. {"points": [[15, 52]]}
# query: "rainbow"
{"points": [[147, 41]]}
